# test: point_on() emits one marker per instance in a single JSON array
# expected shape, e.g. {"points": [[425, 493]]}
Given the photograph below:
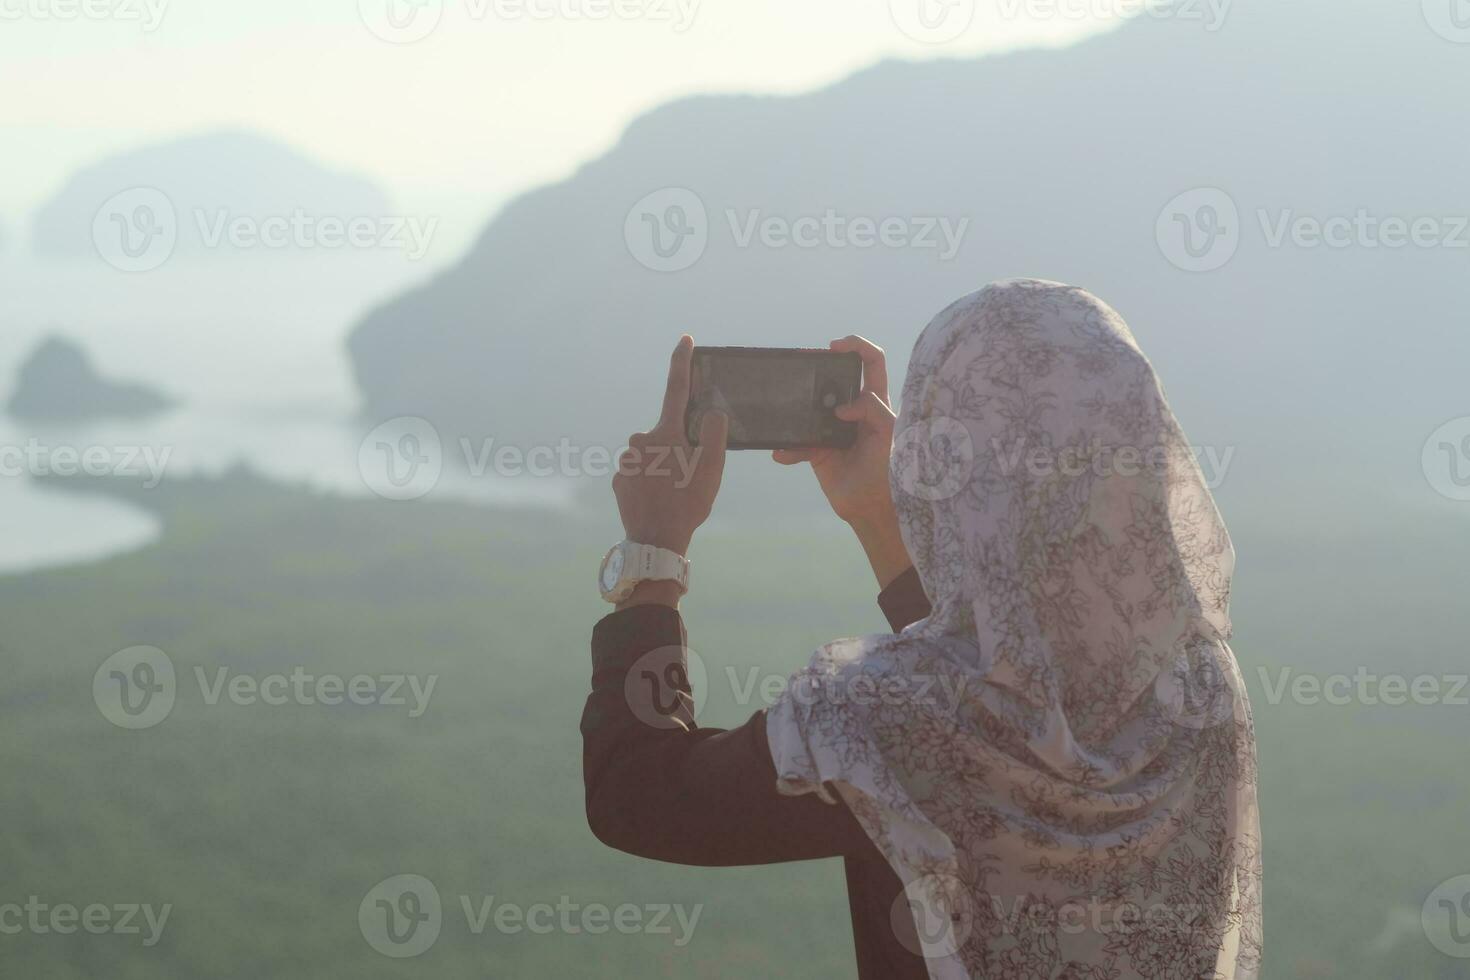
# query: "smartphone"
{"points": [[775, 398]]}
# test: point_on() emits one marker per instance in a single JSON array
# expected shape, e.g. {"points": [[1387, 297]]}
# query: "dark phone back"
{"points": [[776, 398]]}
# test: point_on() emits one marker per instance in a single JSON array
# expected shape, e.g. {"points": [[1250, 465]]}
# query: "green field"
{"points": [[265, 826]]}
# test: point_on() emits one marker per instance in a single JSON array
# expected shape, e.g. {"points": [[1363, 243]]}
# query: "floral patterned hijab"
{"points": [[1059, 763]]}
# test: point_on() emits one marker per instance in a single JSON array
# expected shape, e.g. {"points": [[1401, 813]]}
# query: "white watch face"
{"points": [[612, 569]]}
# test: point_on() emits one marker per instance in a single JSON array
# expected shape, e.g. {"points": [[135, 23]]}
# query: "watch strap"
{"points": [[648, 562]]}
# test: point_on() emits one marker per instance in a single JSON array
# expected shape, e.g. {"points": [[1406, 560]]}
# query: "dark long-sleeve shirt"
{"points": [[658, 786]]}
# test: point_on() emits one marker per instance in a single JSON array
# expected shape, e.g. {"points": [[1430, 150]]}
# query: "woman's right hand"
{"points": [[855, 480]]}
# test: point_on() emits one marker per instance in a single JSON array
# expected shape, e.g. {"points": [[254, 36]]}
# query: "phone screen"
{"points": [[775, 398]]}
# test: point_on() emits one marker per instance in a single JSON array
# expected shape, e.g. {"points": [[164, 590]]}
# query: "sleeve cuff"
{"points": [[620, 638], [904, 602]]}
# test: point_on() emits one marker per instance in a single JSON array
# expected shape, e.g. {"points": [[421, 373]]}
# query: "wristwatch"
{"points": [[629, 563]]}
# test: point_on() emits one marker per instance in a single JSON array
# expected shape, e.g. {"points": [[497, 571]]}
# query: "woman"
{"points": [[1048, 769]]}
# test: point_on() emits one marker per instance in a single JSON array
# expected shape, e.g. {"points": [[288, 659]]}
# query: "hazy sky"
{"points": [[492, 100]]}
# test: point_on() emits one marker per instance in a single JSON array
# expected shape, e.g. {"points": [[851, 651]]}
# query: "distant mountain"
{"points": [[206, 183], [1068, 164], [58, 383]]}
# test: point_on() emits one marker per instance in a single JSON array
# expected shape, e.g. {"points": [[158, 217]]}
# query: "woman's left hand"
{"points": [[665, 487]]}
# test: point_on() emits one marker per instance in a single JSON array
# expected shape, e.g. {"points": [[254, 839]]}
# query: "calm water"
{"points": [[253, 350]]}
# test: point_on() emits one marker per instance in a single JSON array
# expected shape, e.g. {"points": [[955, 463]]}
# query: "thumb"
{"points": [[790, 457], [714, 432]]}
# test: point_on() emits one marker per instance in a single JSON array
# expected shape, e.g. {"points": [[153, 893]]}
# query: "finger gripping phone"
{"points": [[775, 398]]}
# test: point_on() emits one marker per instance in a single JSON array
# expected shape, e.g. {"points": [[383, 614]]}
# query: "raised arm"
{"points": [[661, 787], [658, 785], [855, 480]]}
